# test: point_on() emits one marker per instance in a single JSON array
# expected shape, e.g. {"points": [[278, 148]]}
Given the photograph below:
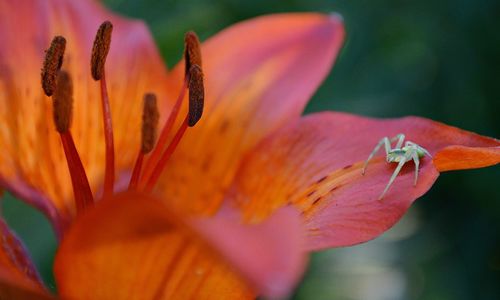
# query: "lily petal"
{"points": [[315, 164], [271, 259], [462, 157], [259, 75], [31, 150], [19, 278], [133, 247]]}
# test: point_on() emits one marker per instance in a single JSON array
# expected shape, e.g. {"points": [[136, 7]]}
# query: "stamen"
{"points": [[166, 156], [150, 118], [162, 141], [63, 110], [81, 187], [192, 55], [134, 179], [196, 103], [109, 176], [99, 53], [100, 49], [196, 95], [192, 51], [52, 64], [63, 102]]}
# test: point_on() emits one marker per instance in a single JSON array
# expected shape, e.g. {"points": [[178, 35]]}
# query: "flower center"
{"points": [[57, 83]]}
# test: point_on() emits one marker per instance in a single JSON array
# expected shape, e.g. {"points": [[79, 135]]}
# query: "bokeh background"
{"points": [[437, 59]]}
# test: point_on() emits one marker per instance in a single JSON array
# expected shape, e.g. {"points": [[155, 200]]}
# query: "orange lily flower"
{"points": [[251, 154]]}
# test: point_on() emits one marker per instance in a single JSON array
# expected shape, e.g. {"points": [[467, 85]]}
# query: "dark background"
{"points": [[437, 59]]}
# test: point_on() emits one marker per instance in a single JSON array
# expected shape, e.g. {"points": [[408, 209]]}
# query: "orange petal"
{"points": [[461, 157], [32, 155], [18, 276], [259, 74], [315, 164], [132, 247]]}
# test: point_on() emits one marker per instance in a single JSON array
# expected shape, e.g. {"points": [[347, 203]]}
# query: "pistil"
{"points": [[99, 53]]}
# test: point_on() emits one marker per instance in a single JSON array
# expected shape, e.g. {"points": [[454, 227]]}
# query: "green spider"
{"points": [[401, 155]]}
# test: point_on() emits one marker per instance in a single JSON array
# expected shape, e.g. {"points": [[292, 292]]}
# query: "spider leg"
{"points": [[426, 152], [400, 138], [408, 143], [396, 172], [384, 141], [416, 160]]}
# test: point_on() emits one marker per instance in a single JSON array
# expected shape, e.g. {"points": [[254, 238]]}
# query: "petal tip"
{"points": [[458, 157]]}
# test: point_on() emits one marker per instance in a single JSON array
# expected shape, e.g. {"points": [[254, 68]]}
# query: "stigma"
{"points": [[153, 155]]}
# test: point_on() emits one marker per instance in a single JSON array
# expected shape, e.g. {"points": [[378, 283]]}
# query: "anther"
{"points": [[196, 94], [100, 49], [192, 51], [162, 140], [150, 118], [63, 102], [52, 64]]}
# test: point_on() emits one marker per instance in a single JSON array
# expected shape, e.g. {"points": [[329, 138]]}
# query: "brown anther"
{"points": [[100, 49], [196, 94], [52, 64], [192, 50], [150, 117], [63, 102]]}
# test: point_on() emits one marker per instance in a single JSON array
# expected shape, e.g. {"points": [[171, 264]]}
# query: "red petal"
{"points": [[315, 163], [132, 247], [259, 74]]}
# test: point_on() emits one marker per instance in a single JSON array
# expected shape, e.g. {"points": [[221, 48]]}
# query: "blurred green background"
{"points": [[438, 59]]}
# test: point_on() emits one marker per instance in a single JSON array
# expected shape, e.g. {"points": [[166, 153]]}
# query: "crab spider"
{"points": [[401, 155]]}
